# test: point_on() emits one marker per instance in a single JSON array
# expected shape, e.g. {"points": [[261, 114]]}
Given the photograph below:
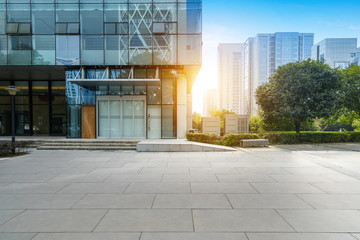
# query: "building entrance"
{"points": [[121, 117]]}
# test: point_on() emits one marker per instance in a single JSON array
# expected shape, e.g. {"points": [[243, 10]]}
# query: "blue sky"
{"points": [[235, 20]]}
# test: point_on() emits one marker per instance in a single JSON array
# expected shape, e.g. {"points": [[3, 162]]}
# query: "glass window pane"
{"points": [[189, 50], [67, 50], [154, 121], [116, 13], [154, 95], [5, 119], [73, 28], [23, 87], [58, 88], [92, 50], [18, 12], [19, 50], [140, 18], [58, 124], [91, 18], [3, 50], [167, 121], [190, 18], [43, 50], [73, 121], [139, 118], [40, 88], [117, 52], [167, 91], [67, 13], [61, 28], [164, 49], [40, 119], [2, 18], [127, 118], [103, 115], [140, 50], [165, 12], [24, 28], [43, 18]]}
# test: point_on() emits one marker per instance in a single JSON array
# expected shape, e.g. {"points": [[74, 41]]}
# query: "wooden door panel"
{"points": [[88, 116]]}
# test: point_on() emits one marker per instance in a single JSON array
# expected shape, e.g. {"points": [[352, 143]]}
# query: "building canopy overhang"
{"points": [[90, 83]]}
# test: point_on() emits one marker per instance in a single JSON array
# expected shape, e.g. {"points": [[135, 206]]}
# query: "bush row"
{"points": [[233, 139], [6, 148]]}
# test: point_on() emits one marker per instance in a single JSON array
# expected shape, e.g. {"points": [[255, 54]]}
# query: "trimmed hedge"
{"points": [[310, 137], [203, 137], [233, 139]]}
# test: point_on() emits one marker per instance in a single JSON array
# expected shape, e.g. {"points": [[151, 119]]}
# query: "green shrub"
{"points": [[203, 137], [310, 137], [233, 139]]}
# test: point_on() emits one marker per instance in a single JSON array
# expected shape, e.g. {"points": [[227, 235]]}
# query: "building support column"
{"points": [[189, 112]]}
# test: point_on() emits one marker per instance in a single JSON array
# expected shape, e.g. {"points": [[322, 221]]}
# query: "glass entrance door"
{"points": [[121, 117]]}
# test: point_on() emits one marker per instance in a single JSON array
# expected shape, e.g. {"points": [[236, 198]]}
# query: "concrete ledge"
{"points": [[254, 143], [179, 145]]}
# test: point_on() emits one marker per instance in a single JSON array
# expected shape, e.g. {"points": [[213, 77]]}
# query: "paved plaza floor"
{"points": [[305, 192]]}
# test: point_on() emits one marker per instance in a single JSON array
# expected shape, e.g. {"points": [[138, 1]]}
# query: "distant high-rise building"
{"points": [[264, 53], [210, 101], [230, 76], [337, 52]]}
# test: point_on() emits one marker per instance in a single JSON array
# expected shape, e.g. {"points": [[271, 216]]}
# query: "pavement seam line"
{"points": [[100, 220]]}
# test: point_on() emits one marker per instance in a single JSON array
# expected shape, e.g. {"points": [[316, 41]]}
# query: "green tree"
{"points": [[196, 121], [300, 91], [350, 86]]}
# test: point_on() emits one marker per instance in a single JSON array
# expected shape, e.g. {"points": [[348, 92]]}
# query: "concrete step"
{"points": [[88, 144], [106, 148]]}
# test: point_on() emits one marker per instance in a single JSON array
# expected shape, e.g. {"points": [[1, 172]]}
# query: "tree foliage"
{"points": [[300, 91], [196, 121], [350, 79]]}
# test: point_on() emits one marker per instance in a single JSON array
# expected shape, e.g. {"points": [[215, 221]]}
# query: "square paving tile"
{"points": [[32, 187], [190, 178], [193, 236], [128, 178], [95, 188], [239, 221], [332, 201], [267, 201], [299, 236], [286, 188], [108, 201], [16, 236], [323, 220], [249, 178], [191, 201], [301, 178], [222, 188], [339, 187], [41, 201], [146, 221], [87, 236], [158, 188], [5, 215], [54, 221]]}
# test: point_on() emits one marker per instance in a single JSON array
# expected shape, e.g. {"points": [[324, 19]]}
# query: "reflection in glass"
{"points": [[168, 91], [127, 118], [91, 18], [115, 130], [19, 50], [167, 121], [43, 50], [103, 116], [3, 50], [43, 18], [92, 50], [154, 95], [140, 50], [18, 13], [73, 121], [67, 50], [154, 121], [40, 119], [139, 118], [117, 52]]}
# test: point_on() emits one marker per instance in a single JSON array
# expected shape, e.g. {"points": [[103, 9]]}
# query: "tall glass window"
{"points": [[92, 49], [116, 50], [67, 50], [3, 50], [43, 18], [19, 50], [43, 50], [2, 18], [91, 18]]}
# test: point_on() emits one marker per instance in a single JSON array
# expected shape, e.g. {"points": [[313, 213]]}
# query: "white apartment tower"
{"points": [[230, 76]]}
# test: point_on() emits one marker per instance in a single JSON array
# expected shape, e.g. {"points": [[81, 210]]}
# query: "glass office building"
{"points": [[99, 68]]}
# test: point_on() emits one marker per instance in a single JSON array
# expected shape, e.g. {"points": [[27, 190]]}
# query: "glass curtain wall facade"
{"points": [[149, 36]]}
